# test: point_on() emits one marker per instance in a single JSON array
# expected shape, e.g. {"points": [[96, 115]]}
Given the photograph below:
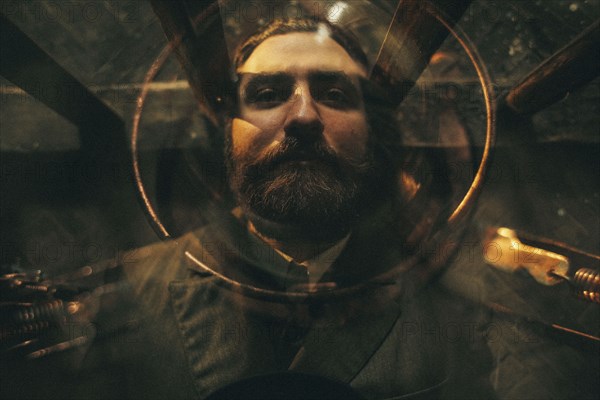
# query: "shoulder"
{"points": [[148, 271]]}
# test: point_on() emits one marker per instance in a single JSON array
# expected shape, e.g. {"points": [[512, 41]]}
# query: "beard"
{"points": [[303, 186]]}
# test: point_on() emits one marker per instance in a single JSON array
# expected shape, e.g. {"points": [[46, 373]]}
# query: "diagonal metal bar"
{"points": [[566, 70], [25, 64], [414, 35], [203, 57]]}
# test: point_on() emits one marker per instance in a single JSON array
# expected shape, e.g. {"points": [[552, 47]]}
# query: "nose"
{"points": [[303, 120]]}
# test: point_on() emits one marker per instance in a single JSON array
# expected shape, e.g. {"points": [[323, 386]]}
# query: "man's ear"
{"points": [[228, 105]]}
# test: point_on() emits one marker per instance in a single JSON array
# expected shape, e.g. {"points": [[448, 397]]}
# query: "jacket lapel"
{"points": [[224, 340], [339, 349]]}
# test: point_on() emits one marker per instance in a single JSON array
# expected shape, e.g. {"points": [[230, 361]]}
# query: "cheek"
{"points": [[248, 139], [347, 132], [269, 121]]}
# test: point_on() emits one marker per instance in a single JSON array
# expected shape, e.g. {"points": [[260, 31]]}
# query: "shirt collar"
{"points": [[318, 265]]}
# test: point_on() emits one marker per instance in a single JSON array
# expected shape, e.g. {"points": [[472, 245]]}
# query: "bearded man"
{"points": [[302, 161], [300, 277]]}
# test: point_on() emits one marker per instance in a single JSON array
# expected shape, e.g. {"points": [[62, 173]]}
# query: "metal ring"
{"points": [[459, 213]]}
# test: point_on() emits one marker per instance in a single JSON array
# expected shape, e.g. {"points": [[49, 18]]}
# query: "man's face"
{"points": [[298, 150]]}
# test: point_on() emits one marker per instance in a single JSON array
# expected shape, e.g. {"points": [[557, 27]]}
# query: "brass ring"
{"points": [[459, 213]]}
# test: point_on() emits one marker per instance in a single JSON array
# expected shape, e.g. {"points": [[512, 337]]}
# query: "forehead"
{"points": [[300, 52]]}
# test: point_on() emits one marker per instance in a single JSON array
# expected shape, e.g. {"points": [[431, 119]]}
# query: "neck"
{"points": [[299, 243]]}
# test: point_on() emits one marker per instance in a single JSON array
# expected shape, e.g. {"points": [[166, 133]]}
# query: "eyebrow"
{"points": [[330, 77], [257, 79], [260, 78]]}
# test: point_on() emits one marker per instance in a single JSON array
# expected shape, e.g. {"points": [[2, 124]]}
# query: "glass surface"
{"points": [[381, 293]]}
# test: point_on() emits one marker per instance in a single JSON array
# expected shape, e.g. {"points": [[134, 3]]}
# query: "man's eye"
{"points": [[335, 95], [267, 95]]}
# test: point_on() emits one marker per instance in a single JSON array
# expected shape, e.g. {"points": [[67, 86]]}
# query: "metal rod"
{"points": [[204, 57], [503, 310], [413, 36], [566, 70]]}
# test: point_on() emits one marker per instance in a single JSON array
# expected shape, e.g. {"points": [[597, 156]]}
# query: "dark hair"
{"points": [[283, 26]]}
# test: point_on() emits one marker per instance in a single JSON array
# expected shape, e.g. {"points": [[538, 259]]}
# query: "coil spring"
{"points": [[22, 330], [40, 312], [587, 284], [31, 320]]}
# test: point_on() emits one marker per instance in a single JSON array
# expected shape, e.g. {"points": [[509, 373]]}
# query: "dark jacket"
{"points": [[189, 333]]}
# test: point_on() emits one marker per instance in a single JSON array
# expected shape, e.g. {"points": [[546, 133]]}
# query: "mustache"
{"points": [[292, 149]]}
